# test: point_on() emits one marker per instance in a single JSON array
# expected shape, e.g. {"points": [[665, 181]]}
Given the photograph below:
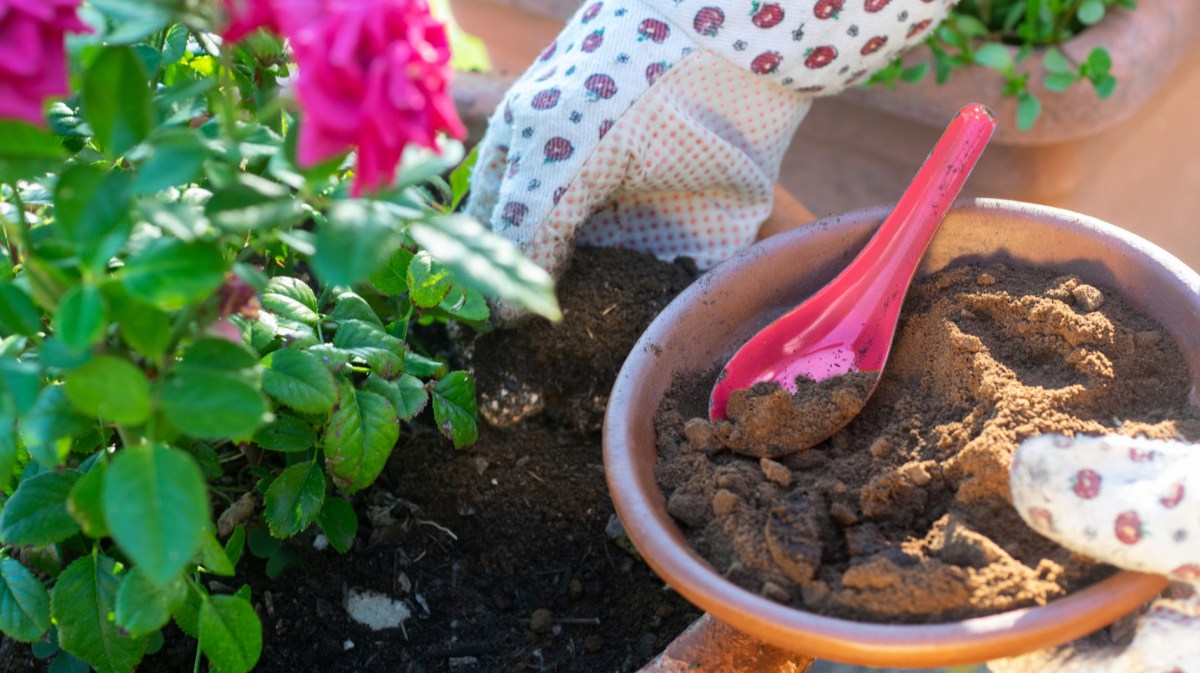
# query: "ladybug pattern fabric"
{"points": [[1132, 502], [662, 123]]}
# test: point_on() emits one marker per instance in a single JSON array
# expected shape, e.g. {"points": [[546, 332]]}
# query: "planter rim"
{"points": [[1146, 44], [665, 348]]}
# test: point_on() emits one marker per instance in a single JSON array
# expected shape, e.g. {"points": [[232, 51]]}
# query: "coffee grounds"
{"points": [[905, 514]]}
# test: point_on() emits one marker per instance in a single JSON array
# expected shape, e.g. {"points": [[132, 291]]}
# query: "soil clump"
{"points": [[904, 515]]}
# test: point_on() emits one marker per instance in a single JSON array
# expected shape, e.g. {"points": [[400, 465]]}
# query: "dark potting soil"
{"points": [[501, 551], [904, 516]]}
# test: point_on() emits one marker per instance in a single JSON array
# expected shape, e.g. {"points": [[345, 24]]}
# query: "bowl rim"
{"points": [[639, 504]]}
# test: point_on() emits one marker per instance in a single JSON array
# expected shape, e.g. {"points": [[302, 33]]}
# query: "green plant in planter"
{"points": [[1000, 34], [190, 313]]}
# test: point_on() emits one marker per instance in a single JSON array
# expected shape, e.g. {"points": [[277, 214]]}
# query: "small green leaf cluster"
{"points": [[1003, 34], [191, 321]]}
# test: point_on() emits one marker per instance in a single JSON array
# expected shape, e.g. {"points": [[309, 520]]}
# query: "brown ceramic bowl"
{"points": [[706, 324]]}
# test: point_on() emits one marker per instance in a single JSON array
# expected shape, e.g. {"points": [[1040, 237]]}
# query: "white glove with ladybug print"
{"points": [[661, 124], [1134, 503]]}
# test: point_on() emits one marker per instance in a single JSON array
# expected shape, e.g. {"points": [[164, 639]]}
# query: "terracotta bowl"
{"points": [[707, 322]]}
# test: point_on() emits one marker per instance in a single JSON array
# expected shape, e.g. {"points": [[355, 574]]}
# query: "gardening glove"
{"points": [[662, 123], [1132, 503]]}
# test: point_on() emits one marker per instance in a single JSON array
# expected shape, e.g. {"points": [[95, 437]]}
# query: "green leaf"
{"points": [[407, 394], [291, 298], [86, 502], [350, 306], [80, 319], [1090, 12], [116, 100], [454, 408], [218, 354], [460, 178], [428, 281], [339, 523], [241, 208], [84, 597], [26, 151], [230, 634], [47, 428], [1099, 61], [172, 274], [48, 282], [381, 351], [174, 161], [175, 44], [355, 241], [18, 315], [995, 56], [132, 20], [490, 264], [65, 662], [212, 556], [92, 209], [420, 366], [466, 304], [156, 505], [111, 389], [1105, 86], [294, 499], [20, 385], [359, 437], [1028, 109], [1056, 62], [8, 450], [24, 603], [144, 607], [146, 329], [286, 433], [187, 615], [392, 277], [213, 404], [236, 544], [1060, 82], [36, 514], [300, 381]]}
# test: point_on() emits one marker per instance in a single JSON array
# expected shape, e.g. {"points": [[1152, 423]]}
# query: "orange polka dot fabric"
{"points": [[1132, 502], [662, 123]]}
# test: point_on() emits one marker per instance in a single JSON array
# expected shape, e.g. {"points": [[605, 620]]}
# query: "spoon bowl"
{"points": [[848, 325]]}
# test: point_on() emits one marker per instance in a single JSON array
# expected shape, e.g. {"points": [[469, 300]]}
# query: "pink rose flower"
{"points": [[372, 74], [33, 58], [247, 16]]}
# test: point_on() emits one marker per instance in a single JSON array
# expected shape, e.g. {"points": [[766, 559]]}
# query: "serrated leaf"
{"points": [[26, 151], [392, 277], [240, 208], [211, 556], [382, 352], [339, 523], [18, 315], [146, 329], [359, 437], [350, 306], [454, 408], [230, 634], [84, 596], [218, 354], [287, 434], [355, 241], [420, 366], [214, 393], [428, 281], [291, 298], [132, 20], [36, 514], [407, 394], [300, 381], [85, 502], [492, 265], [294, 499], [156, 506], [143, 607], [80, 319], [116, 100], [466, 304], [24, 603], [8, 450], [171, 274], [187, 615], [110, 388]]}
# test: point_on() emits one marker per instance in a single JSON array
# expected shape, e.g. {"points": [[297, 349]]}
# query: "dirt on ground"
{"points": [[507, 554], [905, 514]]}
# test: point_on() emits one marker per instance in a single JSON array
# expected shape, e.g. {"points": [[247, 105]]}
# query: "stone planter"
{"points": [[1130, 159]]}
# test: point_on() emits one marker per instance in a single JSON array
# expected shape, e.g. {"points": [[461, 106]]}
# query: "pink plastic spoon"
{"points": [[848, 325]]}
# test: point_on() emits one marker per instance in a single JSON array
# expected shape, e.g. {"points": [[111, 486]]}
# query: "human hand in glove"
{"points": [[1134, 503], [661, 124]]}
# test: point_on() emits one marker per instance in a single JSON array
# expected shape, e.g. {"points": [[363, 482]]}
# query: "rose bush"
{"points": [[206, 289]]}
